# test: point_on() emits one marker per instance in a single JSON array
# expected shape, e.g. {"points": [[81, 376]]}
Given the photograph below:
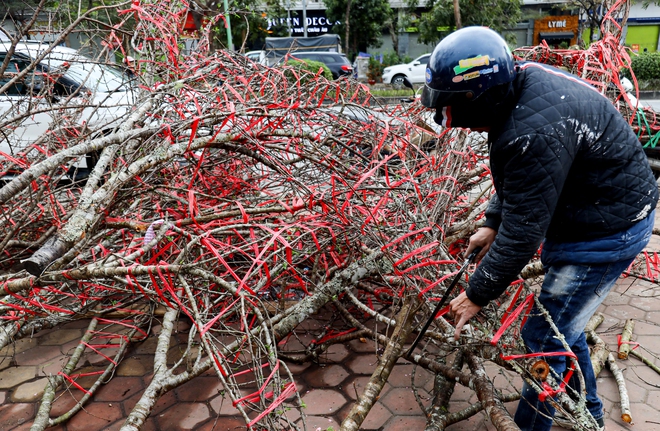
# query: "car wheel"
{"points": [[397, 81]]}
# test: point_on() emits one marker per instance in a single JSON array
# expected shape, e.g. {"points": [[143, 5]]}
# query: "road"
{"points": [[652, 103]]}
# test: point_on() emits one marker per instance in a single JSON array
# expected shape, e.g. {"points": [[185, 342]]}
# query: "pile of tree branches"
{"points": [[248, 200]]}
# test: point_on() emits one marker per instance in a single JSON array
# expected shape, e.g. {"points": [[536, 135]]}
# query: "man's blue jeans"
{"points": [[571, 294]]}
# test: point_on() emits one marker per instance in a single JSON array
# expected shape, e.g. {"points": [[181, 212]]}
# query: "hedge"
{"points": [[646, 66], [311, 66]]}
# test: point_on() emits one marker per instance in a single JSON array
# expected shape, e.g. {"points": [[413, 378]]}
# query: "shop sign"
{"points": [[315, 24]]}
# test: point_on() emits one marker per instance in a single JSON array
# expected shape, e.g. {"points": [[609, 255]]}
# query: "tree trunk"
{"points": [[457, 14], [348, 25]]}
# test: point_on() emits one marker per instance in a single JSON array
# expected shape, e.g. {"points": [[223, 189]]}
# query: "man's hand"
{"points": [[463, 310], [483, 238]]}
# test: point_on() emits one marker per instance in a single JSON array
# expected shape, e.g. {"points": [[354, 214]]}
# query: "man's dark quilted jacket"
{"points": [[566, 166]]}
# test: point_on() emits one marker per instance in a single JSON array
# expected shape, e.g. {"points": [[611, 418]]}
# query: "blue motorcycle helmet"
{"points": [[465, 65]]}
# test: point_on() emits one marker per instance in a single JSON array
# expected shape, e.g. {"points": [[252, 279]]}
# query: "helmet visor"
{"points": [[432, 98]]}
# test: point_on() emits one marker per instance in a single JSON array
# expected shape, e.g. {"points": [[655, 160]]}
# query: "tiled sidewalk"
{"points": [[327, 389]]}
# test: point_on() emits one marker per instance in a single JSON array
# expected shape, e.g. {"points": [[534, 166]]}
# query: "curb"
{"points": [[655, 94]]}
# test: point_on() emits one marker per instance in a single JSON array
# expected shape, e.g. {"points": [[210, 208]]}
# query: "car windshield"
{"points": [[95, 76]]}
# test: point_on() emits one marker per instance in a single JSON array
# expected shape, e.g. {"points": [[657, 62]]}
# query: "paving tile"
{"points": [[355, 385], [223, 423], [222, 404], [199, 389], [336, 353], [378, 415], [321, 423], [364, 345], [60, 336], [6, 362], [464, 394], [119, 389], [165, 401], [29, 392], [76, 324], [95, 416], [401, 401], [635, 392], [402, 375], [14, 414], [52, 366], [325, 376], [63, 402], [67, 348], [296, 345], [37, 355], [646, 303], [18, 346], [623, 312], [645, 417], [10, 377], [323, 402], [135, 366], [405, 423], [27, 425], [654, 398], [100, 358], [362, 364], [85, 377], [297, 368], [616, 299], [183, 416], [146, 347]]}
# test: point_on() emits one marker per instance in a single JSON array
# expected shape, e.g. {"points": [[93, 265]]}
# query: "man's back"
{"points": [[598, 179]]}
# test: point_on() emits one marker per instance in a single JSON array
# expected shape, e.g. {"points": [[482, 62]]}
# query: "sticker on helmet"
{"points": [[471, 75], [468, 63], [429, 77], [458, 78]]}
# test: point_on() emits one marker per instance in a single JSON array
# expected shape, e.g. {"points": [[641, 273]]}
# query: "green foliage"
{"points": [[390, 58], [68, 11], [375, 70], [390, 92], [439, 22], [645, 65], [375, 67], [19, 8], [367, 20], [307, 65], [248, 22]]}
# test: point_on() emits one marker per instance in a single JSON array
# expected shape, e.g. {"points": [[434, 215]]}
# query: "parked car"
{"points": [[415, 71], [337, 63], [257, 56], [100, 95]]}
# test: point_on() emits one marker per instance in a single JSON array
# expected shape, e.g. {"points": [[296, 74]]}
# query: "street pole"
{"points": [[304, 6], [288, 14], [230, 43]]}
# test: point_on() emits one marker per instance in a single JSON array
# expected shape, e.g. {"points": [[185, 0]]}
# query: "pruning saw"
{"points": [[444, 298]]}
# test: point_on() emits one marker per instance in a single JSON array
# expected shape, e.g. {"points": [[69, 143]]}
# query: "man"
{"points": [[568, 171]]}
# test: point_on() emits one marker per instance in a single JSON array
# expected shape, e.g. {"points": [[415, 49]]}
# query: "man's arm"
{"points": [[533, 170], [461, 306]]}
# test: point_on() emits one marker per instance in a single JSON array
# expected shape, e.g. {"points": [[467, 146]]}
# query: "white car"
{"points": [[257, 56], [100, 95], [415, 71]]}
